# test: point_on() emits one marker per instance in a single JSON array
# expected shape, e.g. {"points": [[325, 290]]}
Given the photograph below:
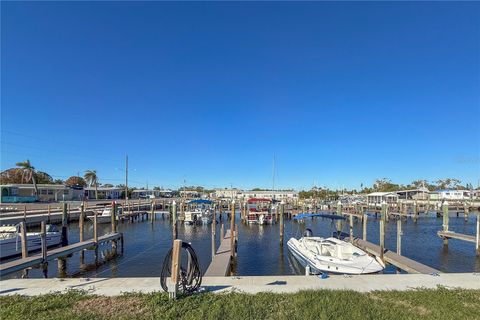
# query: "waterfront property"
{"points": [[377, 198], [145, 193], [14, 193], [414, 194], [290, 196], [449, 194], [103, 192]]}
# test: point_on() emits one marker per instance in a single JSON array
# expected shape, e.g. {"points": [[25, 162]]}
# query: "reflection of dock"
{"points": [[220, 265], [23, 263], [401, 262]]}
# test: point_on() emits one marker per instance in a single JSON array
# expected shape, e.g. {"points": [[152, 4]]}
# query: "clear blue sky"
{"points": [[342, 93]]}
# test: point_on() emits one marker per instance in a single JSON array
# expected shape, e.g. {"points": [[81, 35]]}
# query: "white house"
{"points": [[377, 198], [103, 192], [448, 194], [46, 192], [289, 196], [226, 193], [141, 194]]}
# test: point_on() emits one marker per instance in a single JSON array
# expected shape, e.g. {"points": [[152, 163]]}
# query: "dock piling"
{"points": [[399, 236], [477, 244], [382, 230], [114, 225], [43, 237], [282, 213], [174, 220], [214, 226], [177, 245], [364, 226], [351, 227], [445, 221], [232, 230], [95, 235], [64, 225]]}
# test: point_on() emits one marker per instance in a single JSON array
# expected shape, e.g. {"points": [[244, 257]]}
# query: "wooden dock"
{"points": [[401, 262], [459, 236], [220, 265], [20, 264]]}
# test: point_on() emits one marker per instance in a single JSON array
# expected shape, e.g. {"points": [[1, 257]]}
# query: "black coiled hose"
{"points": [[190, 277]]}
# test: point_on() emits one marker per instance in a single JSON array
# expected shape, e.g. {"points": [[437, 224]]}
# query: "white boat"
{"points": [[199, 212], [259, 211], [10, 240], [331, 255], [105, 217]]}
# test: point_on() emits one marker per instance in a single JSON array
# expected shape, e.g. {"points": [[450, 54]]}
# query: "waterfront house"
{"points": [[226, 193], [103, 193], [449, 194], [414, 194], [143, 193], [289, 196], [15, 193], [377, 198]]}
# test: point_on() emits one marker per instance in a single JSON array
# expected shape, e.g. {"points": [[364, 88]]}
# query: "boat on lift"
{"points": [[10, 240], [104, 217], [331, 255], [199, 212], [259, 211]]}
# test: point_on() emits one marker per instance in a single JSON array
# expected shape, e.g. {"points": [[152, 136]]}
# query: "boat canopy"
{"points": [[321, 215], [252, 200], [200, 201]]}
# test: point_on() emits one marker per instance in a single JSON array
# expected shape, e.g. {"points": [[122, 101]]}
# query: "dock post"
{"points": [[24, 243], [282, 213], [114, 225], [222, 232], [339, 213], [152, 213], [174, 220], [415, 211], [95, 235], [477, 244], [173, 289], [465, 212], [351, 227], [25, 213], [382, 229], [43, 237], [81, 223], [232, 230], [214, 231], [399, 236], [445, 221], [64, 225], [364, 226], [48, 213]]}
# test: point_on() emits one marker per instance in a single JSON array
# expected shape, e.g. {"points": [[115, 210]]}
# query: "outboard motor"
{"points": [[308, 233]]}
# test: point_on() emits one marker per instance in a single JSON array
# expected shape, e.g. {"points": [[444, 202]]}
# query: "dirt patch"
{"points": [[113, 307]]}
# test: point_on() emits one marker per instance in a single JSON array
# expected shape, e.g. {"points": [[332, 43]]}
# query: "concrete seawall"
{"points": [[248, 284]]}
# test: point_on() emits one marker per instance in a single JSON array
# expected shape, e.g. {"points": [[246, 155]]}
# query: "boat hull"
{"points": [[11, 247]]}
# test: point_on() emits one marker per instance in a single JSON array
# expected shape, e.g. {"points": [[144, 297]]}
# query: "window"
{"points": [[50, 191]]}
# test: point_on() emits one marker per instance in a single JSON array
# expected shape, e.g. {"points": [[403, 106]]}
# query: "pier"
{"points": [[221, 261]]}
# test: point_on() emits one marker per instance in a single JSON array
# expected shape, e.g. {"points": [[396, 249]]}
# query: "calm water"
{"points": [[259, 252]]}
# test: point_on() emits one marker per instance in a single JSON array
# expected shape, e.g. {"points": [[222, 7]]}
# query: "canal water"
{"points": [[259, 250]]}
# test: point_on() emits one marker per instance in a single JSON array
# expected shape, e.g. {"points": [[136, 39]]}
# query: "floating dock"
{"points": [[221, 262]]}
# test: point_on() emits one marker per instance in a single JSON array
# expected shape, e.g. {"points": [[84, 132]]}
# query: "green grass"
{"points": [[435, 304]]}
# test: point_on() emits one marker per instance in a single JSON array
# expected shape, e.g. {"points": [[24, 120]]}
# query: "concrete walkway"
{"points": [[253, 284]]}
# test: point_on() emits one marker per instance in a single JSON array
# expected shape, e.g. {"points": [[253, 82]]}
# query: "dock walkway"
{"points": [[220, 265], [23, 263], [402, 262]]}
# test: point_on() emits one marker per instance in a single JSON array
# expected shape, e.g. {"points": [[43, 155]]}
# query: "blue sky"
{"points": [[342, 93]]}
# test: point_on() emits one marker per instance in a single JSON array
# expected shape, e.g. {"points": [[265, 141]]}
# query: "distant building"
{"points": [[269, 194], [226, 193], [142, 194], [190, 193], [103, 193], [414, 194], [448, 194], [46, 192], [377, 198]]}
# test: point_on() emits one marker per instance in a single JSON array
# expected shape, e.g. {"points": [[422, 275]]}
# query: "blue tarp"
{"points": [[321, 215], [201, 201]]}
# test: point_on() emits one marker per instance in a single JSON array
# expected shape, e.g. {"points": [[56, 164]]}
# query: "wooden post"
{"points": [[174, 220], [445, 221], [152, 212], [364, 226], [64, 225], [43, 236], [81, 222], [114, 225], [465, 213], [282, 213], [214, 230], [399, 236], [477, 244], [339, 213], [177, 245], [382, 229], [95, 235], [415, 211], [351, 227], [222, 232], [48, 212], [25, 213], [23, 234], [232, 230]]}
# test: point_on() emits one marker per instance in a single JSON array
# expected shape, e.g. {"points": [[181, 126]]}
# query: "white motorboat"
{"points": [[331, 255], [10, 240], [104, 217], [199, 212]]}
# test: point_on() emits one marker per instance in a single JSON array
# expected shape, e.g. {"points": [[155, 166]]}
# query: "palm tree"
{"points": [[92, 179], [28, 173]]}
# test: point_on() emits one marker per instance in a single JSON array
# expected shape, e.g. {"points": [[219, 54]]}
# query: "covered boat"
{"points": [[259, 211], [199, 212]]}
